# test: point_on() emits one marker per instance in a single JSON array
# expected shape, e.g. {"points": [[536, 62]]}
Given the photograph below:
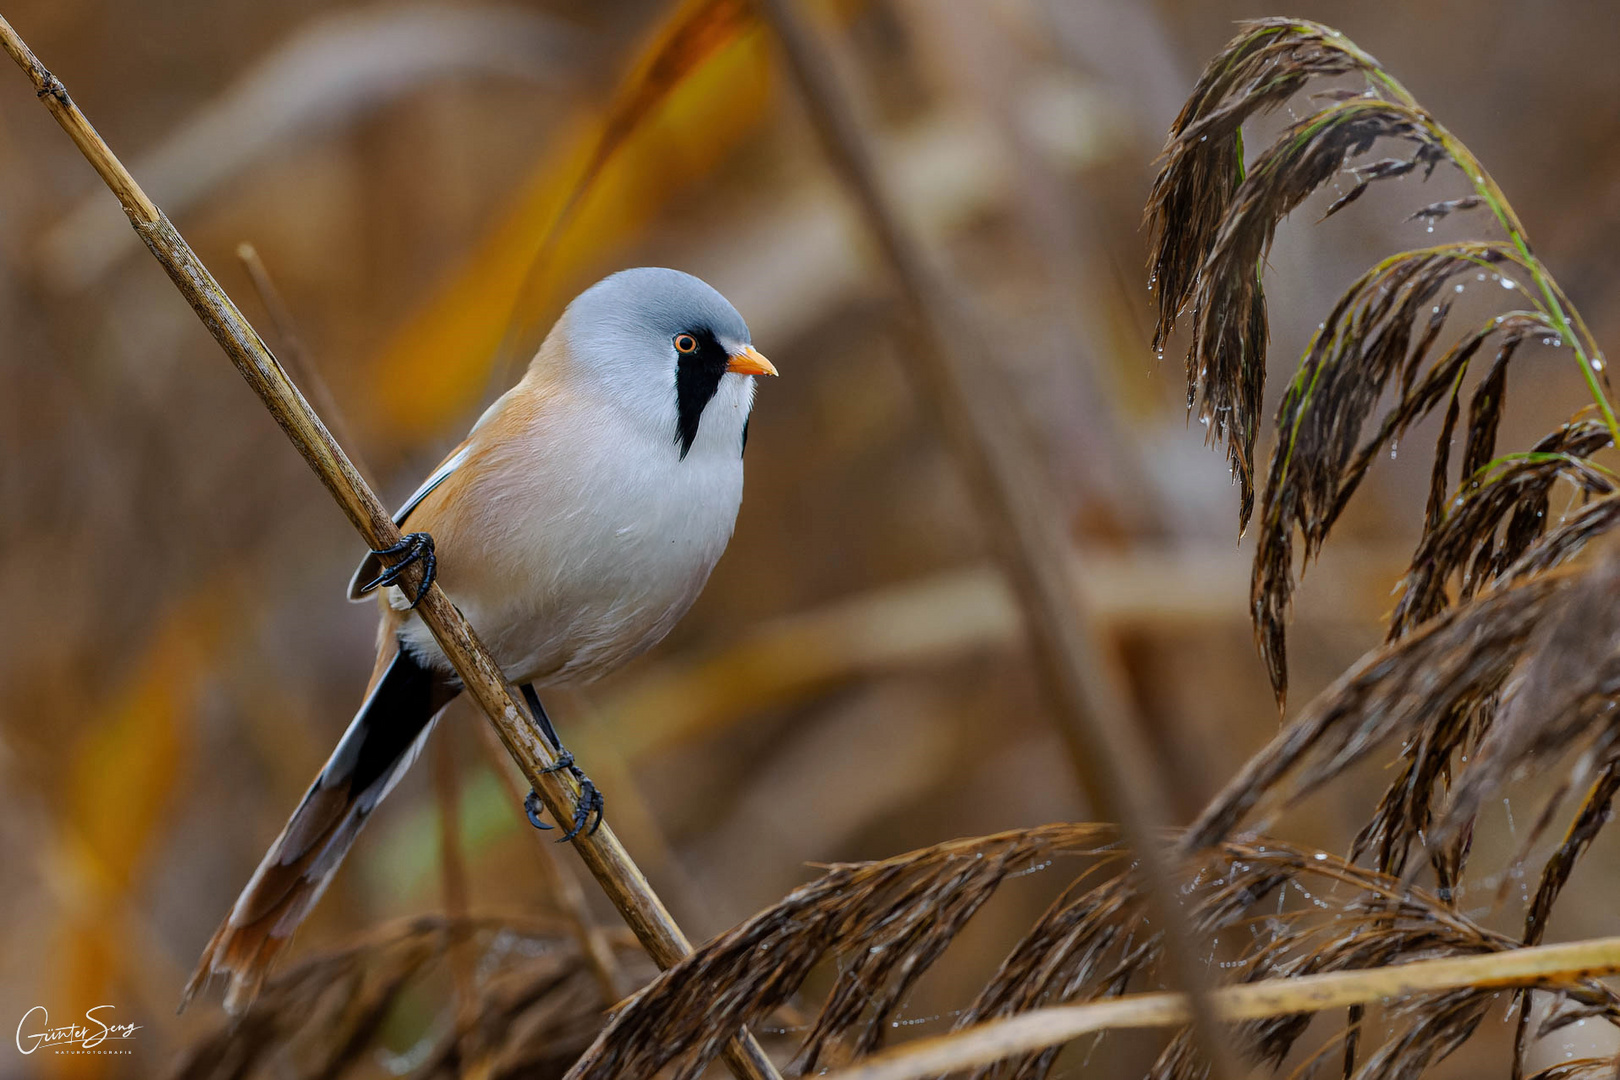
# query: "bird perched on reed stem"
{"points": [[573, 527]]}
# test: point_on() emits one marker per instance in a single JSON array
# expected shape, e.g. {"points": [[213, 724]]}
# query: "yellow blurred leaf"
{"points": [[124, 766], [120, 779], [695, 91]]}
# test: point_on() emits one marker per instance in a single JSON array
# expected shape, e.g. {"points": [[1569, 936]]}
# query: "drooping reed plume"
{"points": [[1213, 218], [1385, 357]]}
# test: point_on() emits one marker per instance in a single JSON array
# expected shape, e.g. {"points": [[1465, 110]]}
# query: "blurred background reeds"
{"points": [[427, 184]]}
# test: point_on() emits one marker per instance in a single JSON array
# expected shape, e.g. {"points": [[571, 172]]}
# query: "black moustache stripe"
{"points": [[697, 378]]}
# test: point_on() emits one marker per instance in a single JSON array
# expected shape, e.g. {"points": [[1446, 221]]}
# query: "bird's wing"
{"points": [[371, 566], [439, 476]]}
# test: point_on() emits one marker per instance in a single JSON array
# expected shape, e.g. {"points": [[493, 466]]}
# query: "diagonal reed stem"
{"points": [[606, 857], [949, 364], [1038, 1029]]}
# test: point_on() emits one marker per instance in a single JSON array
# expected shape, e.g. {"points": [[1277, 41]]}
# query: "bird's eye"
{"points": [[685, 343]]}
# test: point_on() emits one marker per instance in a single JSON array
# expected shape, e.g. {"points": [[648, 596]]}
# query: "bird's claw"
{"points": [[413, 547], [590, 805], [533, 808]]}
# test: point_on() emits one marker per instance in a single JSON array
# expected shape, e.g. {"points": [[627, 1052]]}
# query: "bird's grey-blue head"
{"points": [[669, 347]]}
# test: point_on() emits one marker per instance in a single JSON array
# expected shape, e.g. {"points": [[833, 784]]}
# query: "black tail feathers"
{"points": [[380, 744]]}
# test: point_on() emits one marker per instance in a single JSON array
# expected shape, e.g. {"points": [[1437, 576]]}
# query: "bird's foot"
{"points": [[413, 547], [590, 804], [589, 807], [590, 799]]}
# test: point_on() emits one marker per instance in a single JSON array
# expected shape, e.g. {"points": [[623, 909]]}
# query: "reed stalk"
{"points": [[948, 361], [1038, 1029]]}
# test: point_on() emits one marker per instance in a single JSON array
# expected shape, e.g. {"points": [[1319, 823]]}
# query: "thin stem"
{"points": [[1553, 301], [453, 886], [565, 891], [1534, 457], [1038, 1029], [295, 355], [602, 852]]}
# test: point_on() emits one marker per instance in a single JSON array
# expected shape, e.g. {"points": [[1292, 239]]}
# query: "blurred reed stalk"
{"points": [[453, 883], [1039, 1029], [606, 857], [295, 355], [949, 364], [565, 890]]}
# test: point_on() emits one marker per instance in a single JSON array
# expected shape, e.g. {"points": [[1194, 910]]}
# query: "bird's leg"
{"points": [[590, 802], [414, 547], [541, 718]]}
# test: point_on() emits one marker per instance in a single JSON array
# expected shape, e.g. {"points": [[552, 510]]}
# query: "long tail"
{"points": [[382, 741]]}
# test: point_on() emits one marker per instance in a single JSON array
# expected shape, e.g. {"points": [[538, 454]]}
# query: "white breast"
{"points": [[580, 538]]}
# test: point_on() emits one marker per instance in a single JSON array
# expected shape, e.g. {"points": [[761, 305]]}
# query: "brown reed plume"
{"points": [[1438, 684], [1280, 911], [1213, 219], [538, 1004]]}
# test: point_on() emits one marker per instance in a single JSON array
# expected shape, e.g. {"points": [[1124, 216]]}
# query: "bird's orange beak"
{"points": [[750, 362]]}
